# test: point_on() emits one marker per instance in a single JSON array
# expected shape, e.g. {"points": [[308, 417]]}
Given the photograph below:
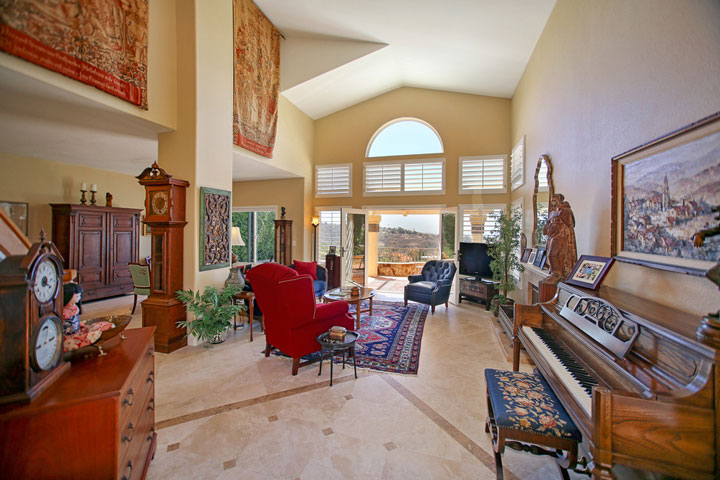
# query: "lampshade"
{"points": [[315, 221], [235, 238]]}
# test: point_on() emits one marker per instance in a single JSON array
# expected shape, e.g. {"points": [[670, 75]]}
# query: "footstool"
{"points": [[524, 414]]}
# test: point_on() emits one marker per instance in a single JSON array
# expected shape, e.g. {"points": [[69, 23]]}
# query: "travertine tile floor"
{"points": [[228, 412]]}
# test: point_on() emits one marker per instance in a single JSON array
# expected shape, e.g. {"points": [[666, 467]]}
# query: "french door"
{"points": [[450, 231], [353, 238]]}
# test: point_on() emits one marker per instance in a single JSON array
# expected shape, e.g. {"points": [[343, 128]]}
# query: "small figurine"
{"points": [[108, 199], [282, 212], [72, 293]]}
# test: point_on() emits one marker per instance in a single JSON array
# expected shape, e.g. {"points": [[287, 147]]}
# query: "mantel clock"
{"points": [[31, 337], [165, 215]]}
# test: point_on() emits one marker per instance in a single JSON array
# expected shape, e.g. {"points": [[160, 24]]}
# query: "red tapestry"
{"points": [[102, 43], [257, 79]]}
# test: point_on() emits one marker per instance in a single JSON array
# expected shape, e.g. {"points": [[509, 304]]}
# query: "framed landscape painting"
{"points": [[666, 200]]}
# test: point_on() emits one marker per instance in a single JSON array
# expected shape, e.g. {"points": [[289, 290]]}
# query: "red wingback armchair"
{"points": [[292, 318]]}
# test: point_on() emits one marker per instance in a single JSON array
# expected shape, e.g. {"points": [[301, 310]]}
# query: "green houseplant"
{"points": [[503, 249], [213, 311]]}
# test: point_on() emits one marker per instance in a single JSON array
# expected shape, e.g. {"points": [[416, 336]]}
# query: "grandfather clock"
{"points": [[165, 215]]}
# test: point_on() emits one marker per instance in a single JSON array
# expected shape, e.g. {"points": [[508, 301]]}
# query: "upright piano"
{"points": [[638, 384]]}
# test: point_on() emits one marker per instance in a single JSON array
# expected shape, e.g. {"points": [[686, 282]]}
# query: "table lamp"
{"points": [[235, 277]]}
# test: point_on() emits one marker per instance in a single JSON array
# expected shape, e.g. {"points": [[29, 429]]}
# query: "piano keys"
{"points": [[633, 377]]}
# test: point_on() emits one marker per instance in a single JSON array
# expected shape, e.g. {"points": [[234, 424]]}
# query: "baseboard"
{"points": [[505, 343]]}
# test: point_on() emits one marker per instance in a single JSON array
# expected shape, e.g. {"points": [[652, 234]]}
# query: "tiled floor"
{"points": [[228, 412]]}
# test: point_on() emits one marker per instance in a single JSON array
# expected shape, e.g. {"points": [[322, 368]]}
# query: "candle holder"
{"points": [[82, 197], [92, 198]]}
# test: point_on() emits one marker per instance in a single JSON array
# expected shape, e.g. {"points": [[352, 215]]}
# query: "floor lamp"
{"points": [[315, 223]]}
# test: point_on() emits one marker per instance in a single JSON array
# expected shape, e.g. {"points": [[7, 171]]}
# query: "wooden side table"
{"points": [[250, 297]]}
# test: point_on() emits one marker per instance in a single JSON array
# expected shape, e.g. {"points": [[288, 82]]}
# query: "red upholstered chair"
{"points": [[292, 318]]}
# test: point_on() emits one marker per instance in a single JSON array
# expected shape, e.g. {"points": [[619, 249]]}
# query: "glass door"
{"points": [[449, 235], [353, 235]]}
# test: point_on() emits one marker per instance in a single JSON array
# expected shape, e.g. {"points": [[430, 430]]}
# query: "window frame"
{"points": [[515, 157], [463, 208], [349, 167], [403, 162], [333, 208], [398, 120], [475, 191], [259, 208]]}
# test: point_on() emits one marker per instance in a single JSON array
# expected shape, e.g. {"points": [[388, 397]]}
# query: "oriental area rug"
{"points": [[389, 338]]}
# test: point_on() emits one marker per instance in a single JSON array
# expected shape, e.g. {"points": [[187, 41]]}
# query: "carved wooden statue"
{"points": [[561, 247]]}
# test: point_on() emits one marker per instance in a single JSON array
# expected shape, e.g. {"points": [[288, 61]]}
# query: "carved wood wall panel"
{"points": [[215, 228]]}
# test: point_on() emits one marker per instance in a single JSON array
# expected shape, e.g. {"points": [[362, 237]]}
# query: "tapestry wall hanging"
{"points": [[214, 228], [103, 44], [257, 79], [666, 200]]}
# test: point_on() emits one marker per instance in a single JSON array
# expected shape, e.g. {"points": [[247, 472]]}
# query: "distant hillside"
{"points": [[399, 237]]}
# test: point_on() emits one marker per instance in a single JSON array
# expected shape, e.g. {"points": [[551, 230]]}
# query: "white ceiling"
{"points": [[336, 54], [468, 46]]}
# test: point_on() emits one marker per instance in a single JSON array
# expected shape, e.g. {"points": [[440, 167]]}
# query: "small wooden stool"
{"points": [[524, 414]]}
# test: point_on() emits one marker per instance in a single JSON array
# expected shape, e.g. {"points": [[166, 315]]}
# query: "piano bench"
{"points": [[524, 414]]}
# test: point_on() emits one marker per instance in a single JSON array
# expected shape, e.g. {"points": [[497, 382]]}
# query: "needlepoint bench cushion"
{"points": [[525, 402]]}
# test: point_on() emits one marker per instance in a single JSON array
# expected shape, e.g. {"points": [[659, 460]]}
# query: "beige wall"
{"points": [[606, 77], [467, 125], [162, 71], [288, 193], [41, 182]]}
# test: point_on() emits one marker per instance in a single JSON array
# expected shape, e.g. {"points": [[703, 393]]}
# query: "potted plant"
{"points": [[213, 310], [503, 249]]}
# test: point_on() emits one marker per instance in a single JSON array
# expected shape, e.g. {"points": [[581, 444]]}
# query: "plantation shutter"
{"points": [[480, 223], [333, 180], [383, 177], [425, 176], [517, 165], [482, 174], [328, 233]]}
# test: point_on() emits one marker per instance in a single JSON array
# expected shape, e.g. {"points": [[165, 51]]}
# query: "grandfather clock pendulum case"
{"points": [[165, 216]]}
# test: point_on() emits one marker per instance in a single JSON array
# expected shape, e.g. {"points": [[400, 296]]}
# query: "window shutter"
{"points": [[328, 232], [425, 176], [385, 177], [480, 223], [482, 174], [333, 180], [517, 165]]}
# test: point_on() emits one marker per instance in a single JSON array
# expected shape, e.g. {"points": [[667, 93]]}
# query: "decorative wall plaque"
{"points": [[214, 228]]}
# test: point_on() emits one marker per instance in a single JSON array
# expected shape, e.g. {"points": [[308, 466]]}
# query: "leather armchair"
{"points": [[432, 286], [292, 318]]}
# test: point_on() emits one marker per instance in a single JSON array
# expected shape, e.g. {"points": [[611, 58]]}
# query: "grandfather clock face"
{"points": [[159, 203]]}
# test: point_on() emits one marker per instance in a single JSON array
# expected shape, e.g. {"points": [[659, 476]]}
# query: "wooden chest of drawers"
{"points": [[97, 421]]}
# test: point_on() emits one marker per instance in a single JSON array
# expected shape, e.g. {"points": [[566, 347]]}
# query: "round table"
{"points": [[338, 294], [327, 345]]}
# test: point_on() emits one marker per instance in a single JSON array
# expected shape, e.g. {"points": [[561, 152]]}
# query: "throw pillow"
{"points": [[306, 268]]}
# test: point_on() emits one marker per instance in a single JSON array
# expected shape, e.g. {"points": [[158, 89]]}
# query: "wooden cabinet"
{"points": [[97, 421], [479, 290], [98, 242], [332, 264], [283, 242]]}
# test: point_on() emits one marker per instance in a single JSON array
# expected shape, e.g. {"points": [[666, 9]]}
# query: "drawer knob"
{"points": [[151, 435], [151, 376], [129, 438], [129, 472], [151, 404], [131, 394], [151, 353]]}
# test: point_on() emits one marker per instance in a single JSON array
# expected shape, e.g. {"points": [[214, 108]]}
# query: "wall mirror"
{"points": [[541, 198]]}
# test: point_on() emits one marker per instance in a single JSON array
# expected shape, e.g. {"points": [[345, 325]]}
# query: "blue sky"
{"points": [[420, 223], [407, 137]]}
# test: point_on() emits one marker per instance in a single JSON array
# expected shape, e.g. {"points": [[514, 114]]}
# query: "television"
{"points": [[474, 260]]}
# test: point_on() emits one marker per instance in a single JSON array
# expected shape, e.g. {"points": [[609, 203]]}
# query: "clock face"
{"points": [[159, 203], [46, 281], [46, 345]]}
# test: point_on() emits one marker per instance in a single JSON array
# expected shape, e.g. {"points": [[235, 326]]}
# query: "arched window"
{"points": [[404, 136]]}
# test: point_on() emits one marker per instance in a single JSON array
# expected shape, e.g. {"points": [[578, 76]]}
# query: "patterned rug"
{"points": [[389, 339]]}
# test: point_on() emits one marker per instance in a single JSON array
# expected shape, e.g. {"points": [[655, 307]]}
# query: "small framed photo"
{"points": [[540, 257], [331, 250], [144, 227], [533, 254], [526, 255], [589, 271]]}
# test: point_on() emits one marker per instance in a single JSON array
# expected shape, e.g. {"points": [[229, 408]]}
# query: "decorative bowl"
{"points": [[102, 343]]}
